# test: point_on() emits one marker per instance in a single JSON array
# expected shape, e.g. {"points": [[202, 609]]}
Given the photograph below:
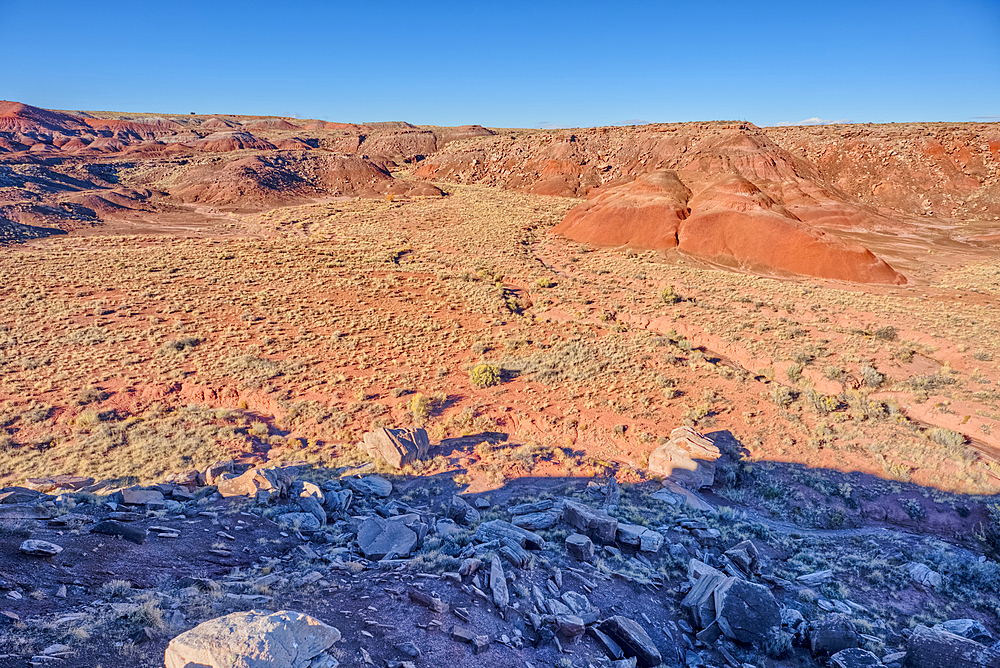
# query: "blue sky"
{"points": [[511, 64]]}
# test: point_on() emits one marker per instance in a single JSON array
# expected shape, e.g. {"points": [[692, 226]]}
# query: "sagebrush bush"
{"points": [[485, 375]]}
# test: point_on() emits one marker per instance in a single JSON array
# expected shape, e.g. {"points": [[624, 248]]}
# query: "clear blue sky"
{"points": [[510, 64]]}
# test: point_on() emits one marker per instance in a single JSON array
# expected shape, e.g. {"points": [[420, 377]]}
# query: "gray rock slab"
{"points": [[746, 611], [633, 640]]}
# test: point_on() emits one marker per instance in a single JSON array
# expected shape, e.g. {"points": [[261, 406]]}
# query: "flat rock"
{"points": [[13, 511], [112, 528], [633, 640], [255, 639], [371, 485], [537, 521], [40, 548], [264, 484], [688, 459], [967, 628], [398, 447], [136, 496], [462, 512], [378, 537], [498, 529], [302, 521], [832, 634], [933, 648], [59, 482], [855, 657], [447, 528], [498, 584], [19, 495], [924, 575]]}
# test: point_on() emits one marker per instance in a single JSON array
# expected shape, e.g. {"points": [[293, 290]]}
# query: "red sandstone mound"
{"points": [[250, 183], [221, 142], [219, 124], [25, 119], [727, 220], [127, 129], [292, 144], [271, 124]]}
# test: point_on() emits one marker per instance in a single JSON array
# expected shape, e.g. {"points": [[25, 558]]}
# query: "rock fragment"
{"points": [[633, 640], [398, 447], [746, 611], [112, 528], [580, 547], [598, 525], [688, 459], [498, 584], [40, 548]]}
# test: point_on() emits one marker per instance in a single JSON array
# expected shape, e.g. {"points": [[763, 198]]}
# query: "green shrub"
{"points": [[668, 296], [485, 375]]}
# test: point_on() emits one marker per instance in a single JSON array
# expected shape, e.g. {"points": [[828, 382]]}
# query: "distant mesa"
{"points": [[727, 220]]}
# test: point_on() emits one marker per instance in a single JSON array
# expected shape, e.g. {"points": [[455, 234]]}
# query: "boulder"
{"points": [[264, 484], [371, 485], [688, 459], [612, 649], [855, 657], [746, 557], [922, 574], [746, 611], [301, 521], [650, 541], [40, 548], [534, 521], [580, 547], [600, 526], [934, 648], [379, 537], [463, 513], [255, 639], [16, 511], [967, 628], [336, 501], [446, 528], [700, 601], [398, 447], [137, 496], [832, 634], [214, 472], [312, 505], [633, 640], [815, 579]]}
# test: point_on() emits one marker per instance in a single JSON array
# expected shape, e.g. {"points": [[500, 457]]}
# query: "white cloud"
{"points": [[545, 125]]}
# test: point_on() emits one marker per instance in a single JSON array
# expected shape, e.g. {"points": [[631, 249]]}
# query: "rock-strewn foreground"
{"points": [[310, 568]]}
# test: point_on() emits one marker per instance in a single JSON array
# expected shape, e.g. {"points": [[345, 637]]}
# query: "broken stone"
{"points": [[650, 541], [629, 534], [462, 635], [498, 529], [633, 640], [606, 643], [745, 611], [815, 579], [922, 574], [967, 628], [398, 447], [428, 601], [469, 566], [409, 649], [267, 483], [480, 644], [528, 508], [447, 527], [214, 472], [498, 584], [688, 459], [537, 521], [855, 657], [258, 638], [40, 548], [598, 525], [580, 547], [570, 626], [832, 634], [700, 601], [337, 501], [24, 512], [132, 534], [378, 537]]}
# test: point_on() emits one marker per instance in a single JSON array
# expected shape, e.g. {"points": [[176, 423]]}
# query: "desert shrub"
{"points": [[782, 396], [823, 403], [668, 296], [179, 345], [794, 372], [913, 508], [545, 282], [485, 375], [870, 377], [887, 333], [946, 437], [420, 408], [777, 643]]}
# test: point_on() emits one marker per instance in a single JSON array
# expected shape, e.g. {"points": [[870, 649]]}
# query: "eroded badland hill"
{"points": [[205, 315]]}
